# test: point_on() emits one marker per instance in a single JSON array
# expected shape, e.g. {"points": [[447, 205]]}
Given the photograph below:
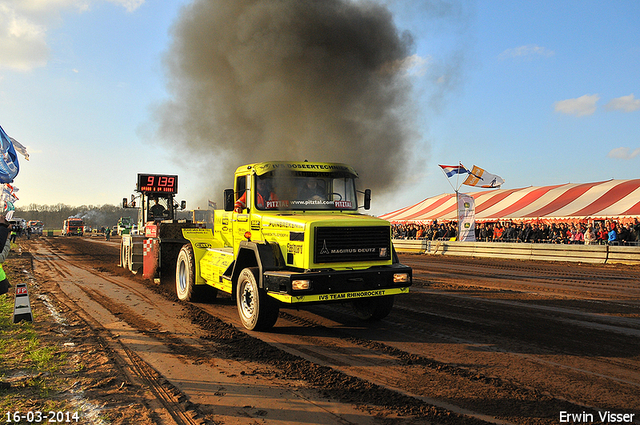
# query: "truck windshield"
{"points": [[305, 191], [158, 208]]}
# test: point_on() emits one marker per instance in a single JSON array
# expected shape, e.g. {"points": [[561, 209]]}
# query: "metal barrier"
{"points": [[595, 254]]}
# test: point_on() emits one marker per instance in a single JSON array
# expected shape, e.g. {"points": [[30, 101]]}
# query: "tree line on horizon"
{"points": [[95, 216]]}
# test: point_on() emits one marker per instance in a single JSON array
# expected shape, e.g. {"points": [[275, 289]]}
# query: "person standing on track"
{"points": [[5, 244]]}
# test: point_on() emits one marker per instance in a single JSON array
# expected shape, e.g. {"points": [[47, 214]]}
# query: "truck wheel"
{"points": [[257, 310], [185, 274], [372, 309], [123, 256], [186, 287]]}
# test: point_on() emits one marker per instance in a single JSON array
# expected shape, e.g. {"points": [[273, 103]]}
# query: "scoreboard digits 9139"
{"points": [[157, 183]]}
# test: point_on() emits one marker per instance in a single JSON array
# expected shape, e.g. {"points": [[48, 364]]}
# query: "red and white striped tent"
{"points": [[613, 199]]}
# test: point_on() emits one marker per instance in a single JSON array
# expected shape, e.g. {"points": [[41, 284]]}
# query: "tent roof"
{"points": [[608, 199]]}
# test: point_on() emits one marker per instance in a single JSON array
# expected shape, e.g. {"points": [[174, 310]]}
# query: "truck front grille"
{"points": [[344, 244]]}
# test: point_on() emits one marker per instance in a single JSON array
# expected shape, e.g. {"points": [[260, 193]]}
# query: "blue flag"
{"points": [[8, 159], [450, 170]]}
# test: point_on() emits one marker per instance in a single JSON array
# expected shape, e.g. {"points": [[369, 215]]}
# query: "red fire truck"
{"points": [[72, 226]]}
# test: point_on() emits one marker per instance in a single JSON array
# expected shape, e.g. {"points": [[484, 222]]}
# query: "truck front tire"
{"points": [[372, 309], [257, 310]]}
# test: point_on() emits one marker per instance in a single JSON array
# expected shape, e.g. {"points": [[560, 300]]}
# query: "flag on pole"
{"points": [[8, 159], [450, 170], [479, 177], [212, 204], [7, 200]]}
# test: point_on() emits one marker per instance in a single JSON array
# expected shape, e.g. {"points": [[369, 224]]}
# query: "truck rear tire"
{"points": [[124, 256], [186, 274], [257, 310], [373, 309], [186, 287]]}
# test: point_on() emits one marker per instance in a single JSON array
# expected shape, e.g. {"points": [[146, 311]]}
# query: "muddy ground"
{"points": [[111, 380], [477, 341]]}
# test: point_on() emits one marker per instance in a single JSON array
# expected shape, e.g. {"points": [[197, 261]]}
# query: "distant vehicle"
{"points": [[19, 225], [36, 227], [72, 226], [124, 226]]}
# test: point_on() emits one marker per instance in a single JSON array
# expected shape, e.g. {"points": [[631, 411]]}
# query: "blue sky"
{"points": [[539, 92]]}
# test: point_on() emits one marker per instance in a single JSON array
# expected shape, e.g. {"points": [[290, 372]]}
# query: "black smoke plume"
{"points": [[323, 80]]}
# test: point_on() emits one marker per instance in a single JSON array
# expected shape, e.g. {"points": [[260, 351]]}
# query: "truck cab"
{"points": [[291, 234]]}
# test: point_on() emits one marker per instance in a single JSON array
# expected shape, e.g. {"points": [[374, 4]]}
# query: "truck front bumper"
{"points": [[342, 285]]}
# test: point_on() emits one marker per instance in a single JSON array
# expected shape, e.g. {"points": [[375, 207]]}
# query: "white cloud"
{"points": [[22, 41], [624, 103], [584, 105], [623, 153], [526, 52], [24, 25], [130, 5], [413, 65], [416, 65]]}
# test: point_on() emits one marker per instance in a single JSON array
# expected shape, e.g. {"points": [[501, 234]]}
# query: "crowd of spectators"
{"points": [[597, 232]]}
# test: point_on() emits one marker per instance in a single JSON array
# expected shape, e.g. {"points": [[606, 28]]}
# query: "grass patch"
{"points": [[21, 348], [29, 365]]}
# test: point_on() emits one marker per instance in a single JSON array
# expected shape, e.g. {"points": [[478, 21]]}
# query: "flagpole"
{"points": [[458, 178], [445, 175], [456, 193], [458, 202], [458, 215]]}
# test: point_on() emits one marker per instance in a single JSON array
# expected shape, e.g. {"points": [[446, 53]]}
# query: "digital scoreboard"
{"points": [[157, 183]]}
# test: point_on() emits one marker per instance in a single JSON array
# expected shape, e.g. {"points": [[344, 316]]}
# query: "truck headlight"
{"points": [[400, 277], [300, 285]]}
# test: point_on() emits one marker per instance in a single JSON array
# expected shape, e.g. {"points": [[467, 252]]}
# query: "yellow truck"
{"points": [[291, 234]]}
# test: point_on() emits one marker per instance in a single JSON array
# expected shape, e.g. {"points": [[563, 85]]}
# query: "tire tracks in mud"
{"points": [[228, 342], [393, 369], [581, 334], [131, 365], [582, 281], [398, 368], [551, 352], [394, 375], [174, 401]]}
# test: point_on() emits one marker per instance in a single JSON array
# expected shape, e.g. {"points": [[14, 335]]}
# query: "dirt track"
{"points": [[476, 341]]}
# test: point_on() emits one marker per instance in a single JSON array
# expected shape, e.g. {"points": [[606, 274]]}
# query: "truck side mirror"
{"points": [[183, 205], [367, 199], [124, 203], [228, 200]]}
